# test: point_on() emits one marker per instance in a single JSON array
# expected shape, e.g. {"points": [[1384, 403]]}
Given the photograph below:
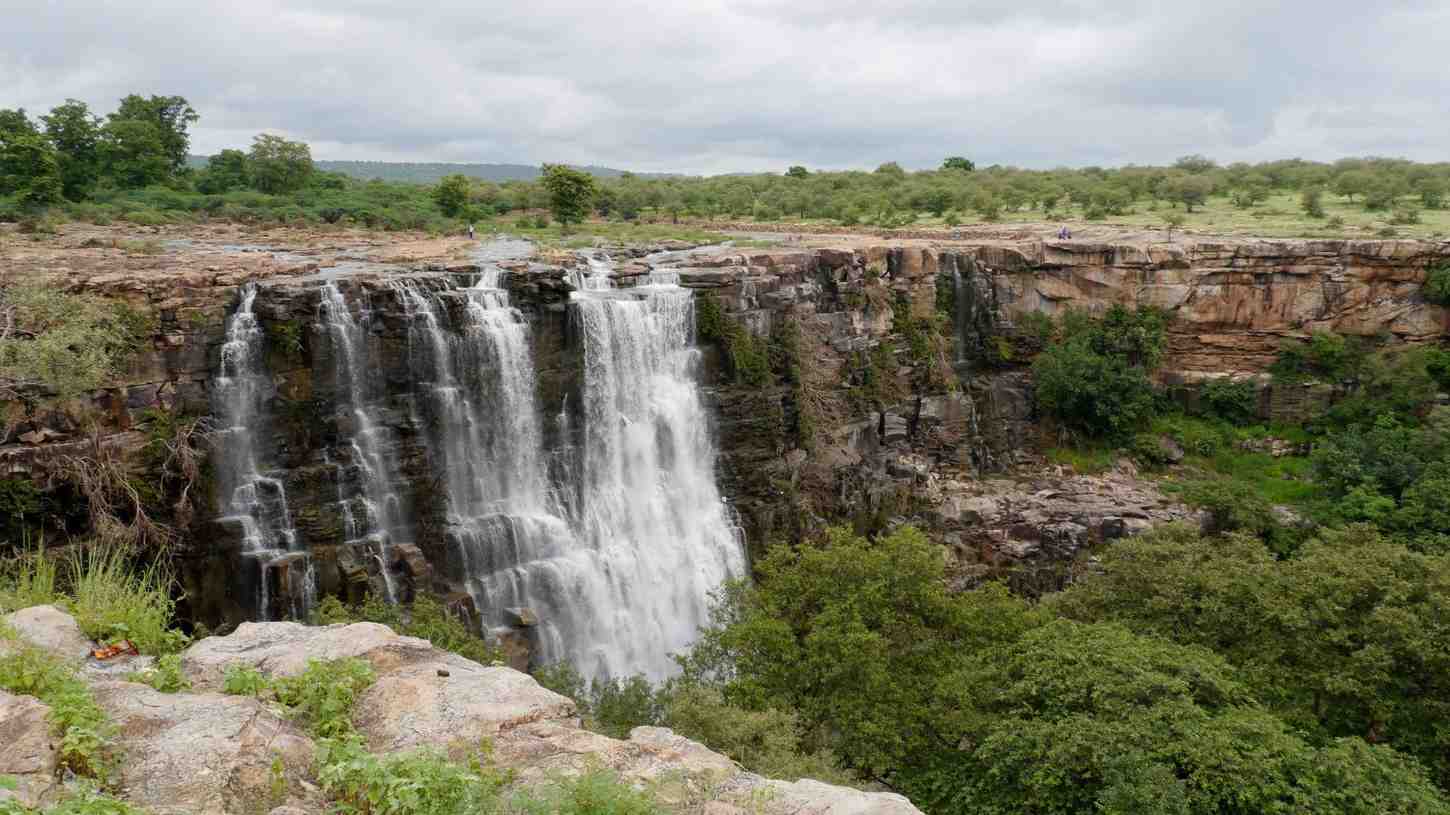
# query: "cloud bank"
{"points": [[740, 85]]}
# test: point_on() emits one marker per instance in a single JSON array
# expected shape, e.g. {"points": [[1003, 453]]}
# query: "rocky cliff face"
{"points": [[875, 410]]}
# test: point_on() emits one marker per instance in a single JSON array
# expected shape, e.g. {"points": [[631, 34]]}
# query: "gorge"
{"points": [[543, 443]]}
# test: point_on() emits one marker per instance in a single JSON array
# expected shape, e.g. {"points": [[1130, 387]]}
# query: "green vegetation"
{"points": [[416, 782], [132, 166], [111, 597], [166, 677], [571, 193], [82, 800], [1437, 285], [1094, 378], [426, 618], [80, 725], [63, 344]]}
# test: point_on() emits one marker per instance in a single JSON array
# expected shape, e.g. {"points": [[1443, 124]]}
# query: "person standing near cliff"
{"points": [[470, 231]]}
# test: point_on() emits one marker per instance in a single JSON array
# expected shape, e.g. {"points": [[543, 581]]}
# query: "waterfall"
{"points": [[600, 525], [377, 514], [255, 502], [649, 510]]}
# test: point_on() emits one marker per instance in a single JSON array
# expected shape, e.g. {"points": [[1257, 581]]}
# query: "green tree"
{"points": [[1312, 202], [76, 134], [451, 194], [172, 116], [958, 163], [14, 121], [1344, 639], [277, 165], [797, 171], [1352, 183], [891, 170], [1096, 395], [225, 171], [1191, 191], [133, 154], [1172, 221], [1094, 718], [29, 169], [1195, 164], [571, 193], [829, 630]]}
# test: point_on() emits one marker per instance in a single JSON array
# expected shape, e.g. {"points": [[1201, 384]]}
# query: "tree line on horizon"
{"points": [[132, 164]]}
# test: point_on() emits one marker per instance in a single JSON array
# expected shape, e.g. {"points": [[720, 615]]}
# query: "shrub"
{"points": [[150, 246], [426, 618], [416, 782], [597, 792], [112, 600], [1232, 506], [166, 677], [244, 680], [78, 720], [146, 217], [1405, 216], [72, 343], [1312, 202], [763, 741], [1231, 401], [323, 694], [1436, 288], [1327, 356], [1091, 393]]}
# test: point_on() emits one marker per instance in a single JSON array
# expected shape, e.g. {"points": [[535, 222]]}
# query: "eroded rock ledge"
{"points": [[206, 753]]}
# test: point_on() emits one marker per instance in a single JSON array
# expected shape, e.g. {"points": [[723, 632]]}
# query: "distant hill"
{"points": [[429, 172]]}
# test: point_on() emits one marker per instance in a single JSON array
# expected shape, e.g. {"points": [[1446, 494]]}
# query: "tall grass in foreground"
{"points": [[111, 597]]}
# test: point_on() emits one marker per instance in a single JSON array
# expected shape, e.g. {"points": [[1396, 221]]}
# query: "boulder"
{"points": [[203, 753], [54, 630], [30, 756], [283, 649], [449, 701]]}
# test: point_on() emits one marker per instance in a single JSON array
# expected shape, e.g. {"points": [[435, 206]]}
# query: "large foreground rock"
{"points": [[54, 630], [283, 649], [425, 697], [27, 749], [451, 701], [203, 753]]}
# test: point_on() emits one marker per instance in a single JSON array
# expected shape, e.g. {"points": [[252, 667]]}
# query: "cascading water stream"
{"points": [[649, 508], [384, 519], [254, 501]]}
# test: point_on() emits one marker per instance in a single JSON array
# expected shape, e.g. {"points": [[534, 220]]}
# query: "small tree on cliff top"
{"points": [[571, 193]]}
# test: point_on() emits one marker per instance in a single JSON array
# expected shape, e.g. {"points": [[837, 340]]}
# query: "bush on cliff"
{"points": [[62, 344], [1094, 380]]}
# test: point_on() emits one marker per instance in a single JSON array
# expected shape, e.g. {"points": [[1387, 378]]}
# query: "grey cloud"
{"points": [[727, 85]]}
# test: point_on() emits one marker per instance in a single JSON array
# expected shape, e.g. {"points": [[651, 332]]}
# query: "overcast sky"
{"points": [[740, 85]]}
